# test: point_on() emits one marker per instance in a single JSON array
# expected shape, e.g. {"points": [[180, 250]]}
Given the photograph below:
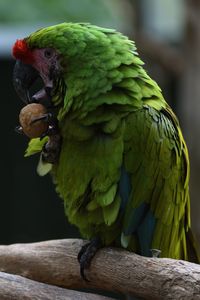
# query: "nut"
{"points": [[28, 120]]}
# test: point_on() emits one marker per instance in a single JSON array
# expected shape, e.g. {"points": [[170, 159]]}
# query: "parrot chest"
{"points": [[87, 176]]}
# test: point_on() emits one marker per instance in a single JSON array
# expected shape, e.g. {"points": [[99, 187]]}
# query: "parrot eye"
{"points": [[48, 53]]}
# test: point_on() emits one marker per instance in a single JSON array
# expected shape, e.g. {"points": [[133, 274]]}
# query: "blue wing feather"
{"points": [[145, 233], [140, 220]]}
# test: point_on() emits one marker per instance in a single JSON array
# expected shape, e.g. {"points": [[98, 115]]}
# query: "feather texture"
{"points": [[123, 171]]}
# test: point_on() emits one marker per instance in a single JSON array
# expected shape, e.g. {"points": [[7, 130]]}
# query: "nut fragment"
{"points": [[28, 120]]}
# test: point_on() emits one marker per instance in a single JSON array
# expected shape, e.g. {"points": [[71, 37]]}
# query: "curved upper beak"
{"points": [[23, 78]]}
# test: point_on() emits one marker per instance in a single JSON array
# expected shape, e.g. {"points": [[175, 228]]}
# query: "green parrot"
{"points": [[113, 146]]}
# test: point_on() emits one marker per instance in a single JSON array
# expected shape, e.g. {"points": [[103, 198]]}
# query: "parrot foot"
{"points": [[86, 255], [155, 253], [52, 124], [51, 150]]}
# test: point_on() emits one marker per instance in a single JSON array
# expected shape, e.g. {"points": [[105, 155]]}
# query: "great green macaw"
{"points": [[120, 163]]}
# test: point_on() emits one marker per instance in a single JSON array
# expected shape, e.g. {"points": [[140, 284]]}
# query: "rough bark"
{"points": [[55, 262], [14, 287]]}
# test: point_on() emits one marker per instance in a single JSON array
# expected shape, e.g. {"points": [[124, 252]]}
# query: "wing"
{"points": [[157, 212]]}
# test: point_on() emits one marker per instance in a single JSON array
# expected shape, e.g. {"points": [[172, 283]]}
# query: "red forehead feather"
{"points": [[21, 51]]}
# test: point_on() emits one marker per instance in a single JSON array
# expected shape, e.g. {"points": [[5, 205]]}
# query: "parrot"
{"points": [[114, 147]]}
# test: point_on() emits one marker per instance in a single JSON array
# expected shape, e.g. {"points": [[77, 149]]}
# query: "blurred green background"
{"points": [[167, 34]]}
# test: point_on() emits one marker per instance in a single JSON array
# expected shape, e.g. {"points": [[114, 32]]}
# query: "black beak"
{"points": [[23, 78]]}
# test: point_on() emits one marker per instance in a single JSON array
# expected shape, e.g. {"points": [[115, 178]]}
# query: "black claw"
{"points": [[19, 129], [86, 255], [82, 272], [46, 118], [155, 253], [82, 251]]}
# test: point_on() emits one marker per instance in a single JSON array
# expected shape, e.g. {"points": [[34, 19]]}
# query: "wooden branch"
{"points": [[55, 262], [17, 288]]}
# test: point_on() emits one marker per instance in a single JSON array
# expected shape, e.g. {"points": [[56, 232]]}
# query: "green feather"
{"points": [[35, 146], [111, 114], [108, 197], [111, 211]]}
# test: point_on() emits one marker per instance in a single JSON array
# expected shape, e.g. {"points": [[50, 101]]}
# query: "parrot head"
{"points": [[32, 64], [76, 63]]}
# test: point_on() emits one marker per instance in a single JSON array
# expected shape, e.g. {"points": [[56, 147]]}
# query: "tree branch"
{"points": [[55, 262], [17, 288]]}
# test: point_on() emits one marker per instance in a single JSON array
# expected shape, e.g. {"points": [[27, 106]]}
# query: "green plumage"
{"points": [[113, 116]]}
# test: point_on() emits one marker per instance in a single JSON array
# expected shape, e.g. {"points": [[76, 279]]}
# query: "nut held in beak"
{"points": [[29, 119]]}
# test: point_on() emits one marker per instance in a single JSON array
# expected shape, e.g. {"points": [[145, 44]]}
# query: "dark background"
{"points": [[30, 210]]}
